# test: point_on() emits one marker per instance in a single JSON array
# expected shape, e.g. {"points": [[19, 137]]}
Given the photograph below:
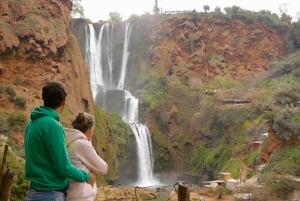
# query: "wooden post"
{"points": [[183, 191], [6, 178]]}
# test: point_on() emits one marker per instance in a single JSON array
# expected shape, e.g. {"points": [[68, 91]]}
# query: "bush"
{"points": [[280, 187], [285, 124], [234, 167], [10, 91], [287, 95], [285, 161], [17, 120], [20, 101]]}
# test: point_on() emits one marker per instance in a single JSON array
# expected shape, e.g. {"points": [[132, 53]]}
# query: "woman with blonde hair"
{"points": [[84, 156]]}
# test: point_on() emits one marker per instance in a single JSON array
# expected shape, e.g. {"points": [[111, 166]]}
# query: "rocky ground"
{"points": [[158, 194]]}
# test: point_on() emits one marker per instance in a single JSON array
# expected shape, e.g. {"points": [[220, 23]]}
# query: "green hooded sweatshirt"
{"points": [[47, 164]]}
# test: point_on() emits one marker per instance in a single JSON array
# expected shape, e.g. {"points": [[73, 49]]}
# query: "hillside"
{"points": [[210, 87], [36, 45], [186, 66]]}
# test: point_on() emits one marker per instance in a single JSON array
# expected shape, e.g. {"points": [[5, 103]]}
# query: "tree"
{"points": [[283, 8], [156, 9], [77, 9], [206, 8], [286, 18], [218, 10], [298, 16], [115, 17]]}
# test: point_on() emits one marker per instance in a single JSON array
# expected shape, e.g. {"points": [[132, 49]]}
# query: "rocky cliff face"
{"points": [[36, 45], [209, 46]]}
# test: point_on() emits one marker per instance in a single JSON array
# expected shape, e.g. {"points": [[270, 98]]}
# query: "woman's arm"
{"points": [[90, 158]]}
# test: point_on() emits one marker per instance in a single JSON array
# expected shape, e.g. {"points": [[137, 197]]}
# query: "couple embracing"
{"points": [[60, 163]]}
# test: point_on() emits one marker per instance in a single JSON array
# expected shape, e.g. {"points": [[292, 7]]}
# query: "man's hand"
{"points": [[92, 179]]}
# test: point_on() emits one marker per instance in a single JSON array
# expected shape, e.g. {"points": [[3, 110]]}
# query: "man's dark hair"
{"points": [[54, 92]]}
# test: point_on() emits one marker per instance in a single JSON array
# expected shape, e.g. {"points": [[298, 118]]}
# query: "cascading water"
{"points": [[107, 81]]}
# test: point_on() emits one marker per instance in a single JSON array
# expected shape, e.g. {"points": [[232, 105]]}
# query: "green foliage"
{"points": [[154, 92], [287, 95], [210, 160], [77, 9], [17, 119], [286, 124], [296, 31], [234, 167], [110, 140], [11, 120], [281, 187], [285, 161], [274, 22], [20, 101], [118, 128], [251, 158], [246, 16], [115, 17], [225, 82], [10, 91]]}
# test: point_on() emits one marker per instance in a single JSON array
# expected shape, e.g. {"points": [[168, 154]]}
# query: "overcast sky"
{"points": [[99, 9]]}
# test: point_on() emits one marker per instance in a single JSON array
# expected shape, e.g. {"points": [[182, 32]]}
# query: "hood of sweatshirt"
{"points": [[42, 111], [73, 134]]}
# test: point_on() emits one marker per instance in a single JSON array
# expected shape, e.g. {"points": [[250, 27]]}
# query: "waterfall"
{"points": [[109, 89]]}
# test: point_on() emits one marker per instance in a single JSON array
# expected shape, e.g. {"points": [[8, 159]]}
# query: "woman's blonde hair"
{"points": [[83, 121]]}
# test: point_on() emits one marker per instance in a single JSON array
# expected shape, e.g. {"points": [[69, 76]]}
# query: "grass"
{"points": [[285, 161], [233, 166]]}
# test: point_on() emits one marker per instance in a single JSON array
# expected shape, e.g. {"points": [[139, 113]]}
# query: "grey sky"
{"points": [[100, 9]]}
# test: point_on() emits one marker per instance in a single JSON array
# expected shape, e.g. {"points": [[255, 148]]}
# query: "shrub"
{"points": [[233, 166], [280, 187], [12, 99], [20, 101], [251, 158], [17, 120], [287, 95], [10, 91], [3, 125], [282, 162], [285, 124]]}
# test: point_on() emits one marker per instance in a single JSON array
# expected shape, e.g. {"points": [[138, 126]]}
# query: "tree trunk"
{"points": [[6, 178]]}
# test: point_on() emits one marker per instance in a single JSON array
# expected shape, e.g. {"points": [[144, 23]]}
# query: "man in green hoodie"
{"points": [[47, 165]]}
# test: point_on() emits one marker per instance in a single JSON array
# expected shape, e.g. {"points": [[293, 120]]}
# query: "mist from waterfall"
{"points": [[109, 91]]}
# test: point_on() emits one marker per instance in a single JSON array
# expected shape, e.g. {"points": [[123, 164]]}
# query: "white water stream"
{"points": [[109, 91]]}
